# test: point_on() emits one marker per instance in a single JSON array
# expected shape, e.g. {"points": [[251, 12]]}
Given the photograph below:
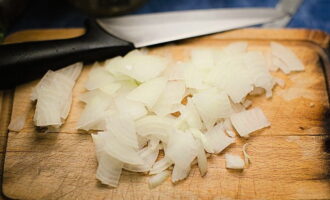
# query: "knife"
{"points": [[106, 38]]}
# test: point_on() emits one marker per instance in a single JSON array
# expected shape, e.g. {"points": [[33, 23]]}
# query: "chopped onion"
{"points": [[137, 65], [149, 155], [134, 109], [148, 92], [212, 105], [179, 173], [123, 128], [54, 96], [109, 169], [201, 159], [280, 64], [93, 116], [207, 145], [280, 82], [170, 98], [247, 103], [184, 143], [119, 150], [98, 78], [234, 161], [246, 156], [143, 103], [152, 125], [17, 124], [202, 58], [158, 179], [189, 117], [287, 56], [161, 165], [248, 121], [218, 139], [194, 77]]}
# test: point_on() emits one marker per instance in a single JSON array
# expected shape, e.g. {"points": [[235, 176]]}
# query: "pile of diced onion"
{"points": [[141, 105]]}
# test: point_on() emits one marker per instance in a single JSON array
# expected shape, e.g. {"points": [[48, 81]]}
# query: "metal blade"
{"points": [[289, 7], [150, 29]]}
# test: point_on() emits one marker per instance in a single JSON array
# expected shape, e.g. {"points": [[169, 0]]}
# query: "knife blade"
{"points": [[106, 38], [145, 30]]}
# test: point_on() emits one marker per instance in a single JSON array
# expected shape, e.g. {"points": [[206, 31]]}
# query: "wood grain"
{"points": [[288, 161]]}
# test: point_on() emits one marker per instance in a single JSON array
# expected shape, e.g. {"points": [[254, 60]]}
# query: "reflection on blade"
{"points": [[149, 29]]}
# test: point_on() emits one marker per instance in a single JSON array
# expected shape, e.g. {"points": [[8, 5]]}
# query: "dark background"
{"points": [[313, 14]]}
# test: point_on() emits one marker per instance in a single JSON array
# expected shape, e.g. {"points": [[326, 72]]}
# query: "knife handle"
{"points": [[22, 62]]}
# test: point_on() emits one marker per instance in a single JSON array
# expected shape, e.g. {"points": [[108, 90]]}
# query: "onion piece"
{"points": [[72, 71], [280, 64], [179, 173], [170, 97], [93, 116], [148, 92], [152, 125], [98, 78], [175, 72], [194, 77], [119, 150], [148, 154], [248, 121], [218, 139], [137, 65], [123, 128], [109, 169], [134, 109], [212, 104], [17, 124], [202, 57], [234, 162], [287, 56], [279, 82], [236, 47], [158, 179], [199, 136], [161, 165], [201, 159], [246, 156], [189, 117], [247, 103], [184, 143], [54, 95], [257, 67]]}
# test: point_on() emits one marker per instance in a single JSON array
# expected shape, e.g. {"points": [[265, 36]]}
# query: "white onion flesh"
{"points": [[158, 179], [170, 98], [54, 96], [287, 56], [152, 125], [137, 65], [201, 159], [161, 165], [17, 124], [249, 121], [246, 155], [212, 105], [234, 162], [180, 173], [218, 139], [184, 143], [142, 104], [148, 92], [108, 169]]}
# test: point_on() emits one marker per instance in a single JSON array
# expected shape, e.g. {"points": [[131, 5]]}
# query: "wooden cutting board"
{"points": [[287, 160]]}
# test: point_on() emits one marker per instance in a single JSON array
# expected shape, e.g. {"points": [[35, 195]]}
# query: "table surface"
{"points": [[313, 14]]}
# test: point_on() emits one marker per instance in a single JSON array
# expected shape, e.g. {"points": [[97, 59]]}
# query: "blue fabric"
{"points": [[313, 14]]}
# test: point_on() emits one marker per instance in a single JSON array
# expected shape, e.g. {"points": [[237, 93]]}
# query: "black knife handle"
{"points": [[22, 62]]}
